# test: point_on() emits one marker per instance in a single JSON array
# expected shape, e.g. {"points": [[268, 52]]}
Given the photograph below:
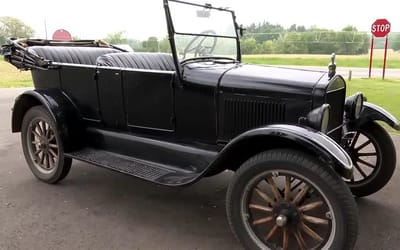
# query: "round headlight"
{"points": [[319, 118], [354, 105]]}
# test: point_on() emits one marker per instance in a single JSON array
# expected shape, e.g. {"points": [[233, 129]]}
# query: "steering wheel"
{"points": [[196, 45]]}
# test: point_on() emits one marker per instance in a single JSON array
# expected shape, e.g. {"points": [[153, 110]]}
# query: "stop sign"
{"points": [[380, 28], [62, 35]]}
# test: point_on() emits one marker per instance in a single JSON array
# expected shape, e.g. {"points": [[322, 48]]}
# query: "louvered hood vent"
{"points": [[243, 113]]}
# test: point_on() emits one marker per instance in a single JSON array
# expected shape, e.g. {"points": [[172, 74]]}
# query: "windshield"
{"points": [[203, 31]]}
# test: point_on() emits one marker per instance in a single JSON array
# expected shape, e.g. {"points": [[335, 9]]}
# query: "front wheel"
{"points": [[285, 199], [42, 146], [374, 158]]}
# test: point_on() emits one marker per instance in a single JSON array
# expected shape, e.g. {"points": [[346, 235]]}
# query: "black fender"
{"points": [[372, 112], [69, 124], [257, 140]]}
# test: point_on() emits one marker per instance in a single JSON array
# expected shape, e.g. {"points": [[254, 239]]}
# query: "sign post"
{"points": [[380, 28]]}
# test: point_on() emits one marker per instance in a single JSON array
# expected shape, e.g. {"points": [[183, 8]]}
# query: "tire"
{"points": [[374, 158], [319, 211], [42, 146]]}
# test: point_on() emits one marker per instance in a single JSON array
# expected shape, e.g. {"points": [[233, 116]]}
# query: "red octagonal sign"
{"points": [[380, 28]]}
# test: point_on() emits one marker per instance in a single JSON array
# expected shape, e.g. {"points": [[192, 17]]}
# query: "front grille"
{"points": [[336, 100], [244, 113]]}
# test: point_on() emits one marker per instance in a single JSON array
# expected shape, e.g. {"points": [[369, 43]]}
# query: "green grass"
{"points": [[385, 93], [12, 77], [357, 61]]}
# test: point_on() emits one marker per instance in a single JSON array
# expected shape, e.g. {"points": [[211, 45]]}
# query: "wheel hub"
{"points": [[43, 144], [286, 214]]}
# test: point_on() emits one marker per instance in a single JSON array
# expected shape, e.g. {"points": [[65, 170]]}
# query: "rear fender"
{"points": [[372, 112], [283, 136], [62, 110]]}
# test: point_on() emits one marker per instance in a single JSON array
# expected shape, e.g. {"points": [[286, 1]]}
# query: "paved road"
{"points": [[99, 209]]}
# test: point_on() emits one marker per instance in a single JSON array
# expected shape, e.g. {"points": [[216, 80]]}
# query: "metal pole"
{"points": [[45, 28], [384, 58], [370, 55]]}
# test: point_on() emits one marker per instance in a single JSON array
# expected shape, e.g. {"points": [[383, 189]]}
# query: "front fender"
{"points": [[372, 112], [62, 110], [305, 139]]}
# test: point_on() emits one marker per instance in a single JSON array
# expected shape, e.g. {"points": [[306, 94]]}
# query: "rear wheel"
{"points": [[374, 159], [285, 199], [42, 146]]}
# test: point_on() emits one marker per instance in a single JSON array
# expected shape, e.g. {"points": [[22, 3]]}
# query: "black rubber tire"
{"points": [[62, 165], [385, 163], [328, 181]]}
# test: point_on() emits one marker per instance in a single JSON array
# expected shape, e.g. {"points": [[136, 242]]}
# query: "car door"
{"points": [[149, 99]]}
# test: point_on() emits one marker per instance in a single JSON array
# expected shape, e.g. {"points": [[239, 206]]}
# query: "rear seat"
{"points": [[136, 60], [68, 54]]}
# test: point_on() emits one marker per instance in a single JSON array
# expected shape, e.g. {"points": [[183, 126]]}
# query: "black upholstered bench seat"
{"points": [[136, 60], [69, 54]]}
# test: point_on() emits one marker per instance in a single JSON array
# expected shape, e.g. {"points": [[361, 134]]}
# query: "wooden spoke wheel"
{"points": [[42, 146], [374, 159], [285, 199]]}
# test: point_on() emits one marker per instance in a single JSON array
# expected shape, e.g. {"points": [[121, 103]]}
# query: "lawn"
{"points": [[358, 61], [385, 93], [12, 77]]}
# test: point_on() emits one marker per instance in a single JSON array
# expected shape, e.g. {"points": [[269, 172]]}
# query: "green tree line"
{"points": [[261, 38]]}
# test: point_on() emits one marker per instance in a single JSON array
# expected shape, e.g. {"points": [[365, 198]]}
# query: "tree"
{"points": [[151, 45], [396, 43], [13, 27], [117, 37]]}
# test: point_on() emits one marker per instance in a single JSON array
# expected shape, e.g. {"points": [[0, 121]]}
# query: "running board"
{"points": [[149, 171]]}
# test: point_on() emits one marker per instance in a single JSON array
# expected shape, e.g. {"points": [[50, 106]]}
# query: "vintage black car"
{"points": [[299, 149]]}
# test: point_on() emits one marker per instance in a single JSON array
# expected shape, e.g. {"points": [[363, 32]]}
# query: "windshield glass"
{"points": [[203, 31]]}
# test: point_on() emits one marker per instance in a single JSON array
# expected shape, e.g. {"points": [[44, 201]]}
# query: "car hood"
{"points": [[255, 79]]}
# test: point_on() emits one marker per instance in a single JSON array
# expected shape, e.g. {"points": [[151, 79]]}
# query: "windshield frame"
{"points": [[172, 33]]}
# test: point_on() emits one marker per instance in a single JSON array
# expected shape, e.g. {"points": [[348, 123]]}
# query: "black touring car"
{"points": [[299, 148]]}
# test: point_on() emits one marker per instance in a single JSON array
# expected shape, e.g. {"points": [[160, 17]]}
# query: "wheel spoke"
{"points": [[51, 158], [261, 208], [271, 232], [52, 136], [363, 145], [42, 158], [35, 133], [300, 196], [355, 139], [295, 186], [366, 163], [274, 188], [285, 240], [311, 232], [51, 145], [47, 161], [299, 238], [37, 152], [39, 126], [48, 130], [52, 153], [360, 170], [263, 220], [311, 206], [264, 196], [287, 188], [368, 154], [315, 220], [35, 142]]}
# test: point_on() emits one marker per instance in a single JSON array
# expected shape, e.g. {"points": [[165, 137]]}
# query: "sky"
{"points": [[88, 19]]}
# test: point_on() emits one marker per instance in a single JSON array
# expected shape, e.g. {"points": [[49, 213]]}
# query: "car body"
{"points": [[174, 118]]}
